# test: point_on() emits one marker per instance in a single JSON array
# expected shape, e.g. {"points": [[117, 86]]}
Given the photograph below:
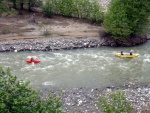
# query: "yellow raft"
{"points": [[127, 55]]}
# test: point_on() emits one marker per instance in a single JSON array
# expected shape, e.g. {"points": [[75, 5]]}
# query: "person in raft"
{"points": [[31, 59], [131, 52], [121, 52]]}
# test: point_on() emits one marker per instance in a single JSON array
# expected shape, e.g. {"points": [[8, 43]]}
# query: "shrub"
{"points": [[46, 31], [47, 8], [127, 17], [17, 97], [114, 103]]}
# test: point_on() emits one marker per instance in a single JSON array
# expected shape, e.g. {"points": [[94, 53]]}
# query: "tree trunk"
{"points": [[21, 6], [29, 6], [14, 4]]}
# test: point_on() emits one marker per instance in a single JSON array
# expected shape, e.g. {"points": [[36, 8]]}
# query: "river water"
{"points": [[94, 67]]}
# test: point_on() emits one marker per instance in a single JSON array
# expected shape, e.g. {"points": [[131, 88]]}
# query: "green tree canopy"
{"points": [[127, 17]]}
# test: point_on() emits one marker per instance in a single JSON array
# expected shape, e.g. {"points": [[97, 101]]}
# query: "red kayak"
{"points": [[31, 60]]}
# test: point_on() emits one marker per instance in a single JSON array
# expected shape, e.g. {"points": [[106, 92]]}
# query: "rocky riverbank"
{"points": [[83, 100], [49, 44], [60, 43]]}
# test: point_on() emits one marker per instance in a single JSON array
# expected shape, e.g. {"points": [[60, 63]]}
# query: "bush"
{"points": [[127, 17], [46, 31], [114, 103], [47, 8], [17, 97]]}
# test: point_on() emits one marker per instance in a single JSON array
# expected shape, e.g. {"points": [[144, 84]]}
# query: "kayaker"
{"points": [[121, 52], [32, 60], [131, 52]]}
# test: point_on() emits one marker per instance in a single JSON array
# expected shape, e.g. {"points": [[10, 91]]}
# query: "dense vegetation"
{"points": [[127, 18], [17, 97], [85, 9]]}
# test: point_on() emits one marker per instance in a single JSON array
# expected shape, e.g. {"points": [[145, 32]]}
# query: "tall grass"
{"points": [[84, 9]]}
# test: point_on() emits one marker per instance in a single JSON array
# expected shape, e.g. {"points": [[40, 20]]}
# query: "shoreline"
{"points": [[49, 44], [64, 43], [84, 99]]}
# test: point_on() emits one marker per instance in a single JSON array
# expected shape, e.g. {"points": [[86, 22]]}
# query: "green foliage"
{"points": [[47, 8], [3, 7], [84, 9], [114, 103], [127, 17], [95, 13], [17, 97], [66, 8]]}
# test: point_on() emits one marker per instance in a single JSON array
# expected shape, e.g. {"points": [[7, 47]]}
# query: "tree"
{"points": [[127, 18], [17, 97]]}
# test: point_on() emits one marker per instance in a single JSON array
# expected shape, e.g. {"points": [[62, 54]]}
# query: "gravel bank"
{"points": [[60, 43], [83, 100], [49, 44]]}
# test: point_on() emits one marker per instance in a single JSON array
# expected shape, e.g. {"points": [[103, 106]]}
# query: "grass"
{"points": [[46, 31], [5, 31]]}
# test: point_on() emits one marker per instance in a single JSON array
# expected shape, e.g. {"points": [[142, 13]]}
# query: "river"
{"points": [[94, 67]]}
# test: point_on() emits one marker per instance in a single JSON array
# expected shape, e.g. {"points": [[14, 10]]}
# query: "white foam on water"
{"points": [[47, 83], [146, 60], [102, 67], [32, 57], [66, 64], [43, 68]]}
